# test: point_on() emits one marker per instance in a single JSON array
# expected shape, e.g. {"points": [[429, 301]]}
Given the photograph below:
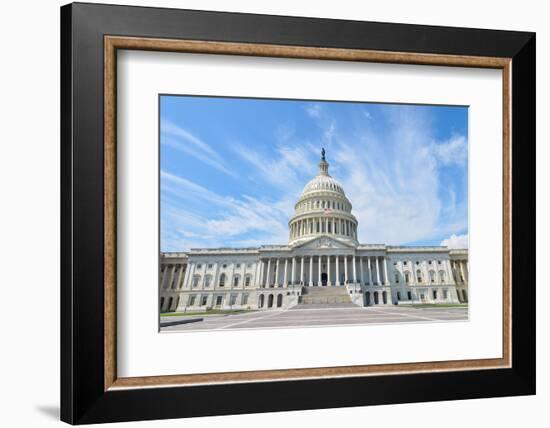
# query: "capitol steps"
{"points": [[325, 297]]}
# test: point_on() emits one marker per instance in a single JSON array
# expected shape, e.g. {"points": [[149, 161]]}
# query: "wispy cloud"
{"points": [[285, 170], [453, 151], [314, 110], [393, 179], [181, 139], [233, 218]]}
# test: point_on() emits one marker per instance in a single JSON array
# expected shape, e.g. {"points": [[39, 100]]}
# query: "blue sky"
{"points": [[232, 169]]}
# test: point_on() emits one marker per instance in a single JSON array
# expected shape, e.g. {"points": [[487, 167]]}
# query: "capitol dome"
{"points": [[322, 210]]}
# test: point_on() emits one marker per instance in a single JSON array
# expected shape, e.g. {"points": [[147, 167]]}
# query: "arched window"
{"points": [[442, 276], [419, 275], [207, 280], [236, 281], [434, 294], [279, 300], [196, 280], [222, 280], [270, 301], [432, 276], [170, 301], [384, 297], [261, 301], [247, 281], [407, 277]]}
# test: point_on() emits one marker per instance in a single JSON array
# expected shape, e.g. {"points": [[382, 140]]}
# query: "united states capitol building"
{"points": [[322, 264]]}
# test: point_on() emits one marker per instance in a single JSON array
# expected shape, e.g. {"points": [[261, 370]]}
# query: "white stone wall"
{"points": [[272, 277]]}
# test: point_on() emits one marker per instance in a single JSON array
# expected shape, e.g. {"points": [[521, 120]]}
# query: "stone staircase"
{"points": [[325, 297]]}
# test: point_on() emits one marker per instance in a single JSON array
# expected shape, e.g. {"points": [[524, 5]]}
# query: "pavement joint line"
{"points": [[409, 315], [269, 315]]}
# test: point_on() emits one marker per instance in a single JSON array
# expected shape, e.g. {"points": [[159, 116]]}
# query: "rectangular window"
{"points": [[191, 301], [233, 299], [204, 300], [245, 299]]}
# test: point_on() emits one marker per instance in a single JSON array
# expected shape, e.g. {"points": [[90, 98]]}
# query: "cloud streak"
{"points": [[178, 138]]}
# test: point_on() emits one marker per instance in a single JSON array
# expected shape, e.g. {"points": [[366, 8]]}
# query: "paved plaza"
{"points": [[312, 316]]}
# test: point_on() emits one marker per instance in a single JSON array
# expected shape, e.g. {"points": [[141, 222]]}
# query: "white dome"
{"points": [[322, 210], [323, 182]]}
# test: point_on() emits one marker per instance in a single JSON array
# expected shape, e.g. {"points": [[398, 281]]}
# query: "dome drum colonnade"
{"points": [[322, 209]]}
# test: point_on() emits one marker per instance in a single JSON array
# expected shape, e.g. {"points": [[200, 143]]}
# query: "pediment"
{"points": [[324, 242]]}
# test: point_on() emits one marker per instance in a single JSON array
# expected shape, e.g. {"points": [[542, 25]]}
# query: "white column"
{"points": [[413, 270], [377, 271], [361, 270], [293, 275], [267, 273], [214, 277], [329, 283], [337, 271], [178, 281], [319, 272], [459, 265], [354, 269], [230, 277], [285, 282], [191, 273], [260, 280], [256, 273], [345, 270], [302, 270], [186, 276], [310, 271], [369, 267], [170, 277], [450, 278], [387, 279], [277, 273]]}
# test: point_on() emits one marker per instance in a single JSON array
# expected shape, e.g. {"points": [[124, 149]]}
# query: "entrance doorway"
{"points": [[324, 279]]}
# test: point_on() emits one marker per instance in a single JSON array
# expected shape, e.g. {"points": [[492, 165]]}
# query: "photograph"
{"points": [[291, 213]]}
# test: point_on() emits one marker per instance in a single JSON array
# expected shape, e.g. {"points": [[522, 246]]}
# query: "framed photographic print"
{"points": [[275, 213]]}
